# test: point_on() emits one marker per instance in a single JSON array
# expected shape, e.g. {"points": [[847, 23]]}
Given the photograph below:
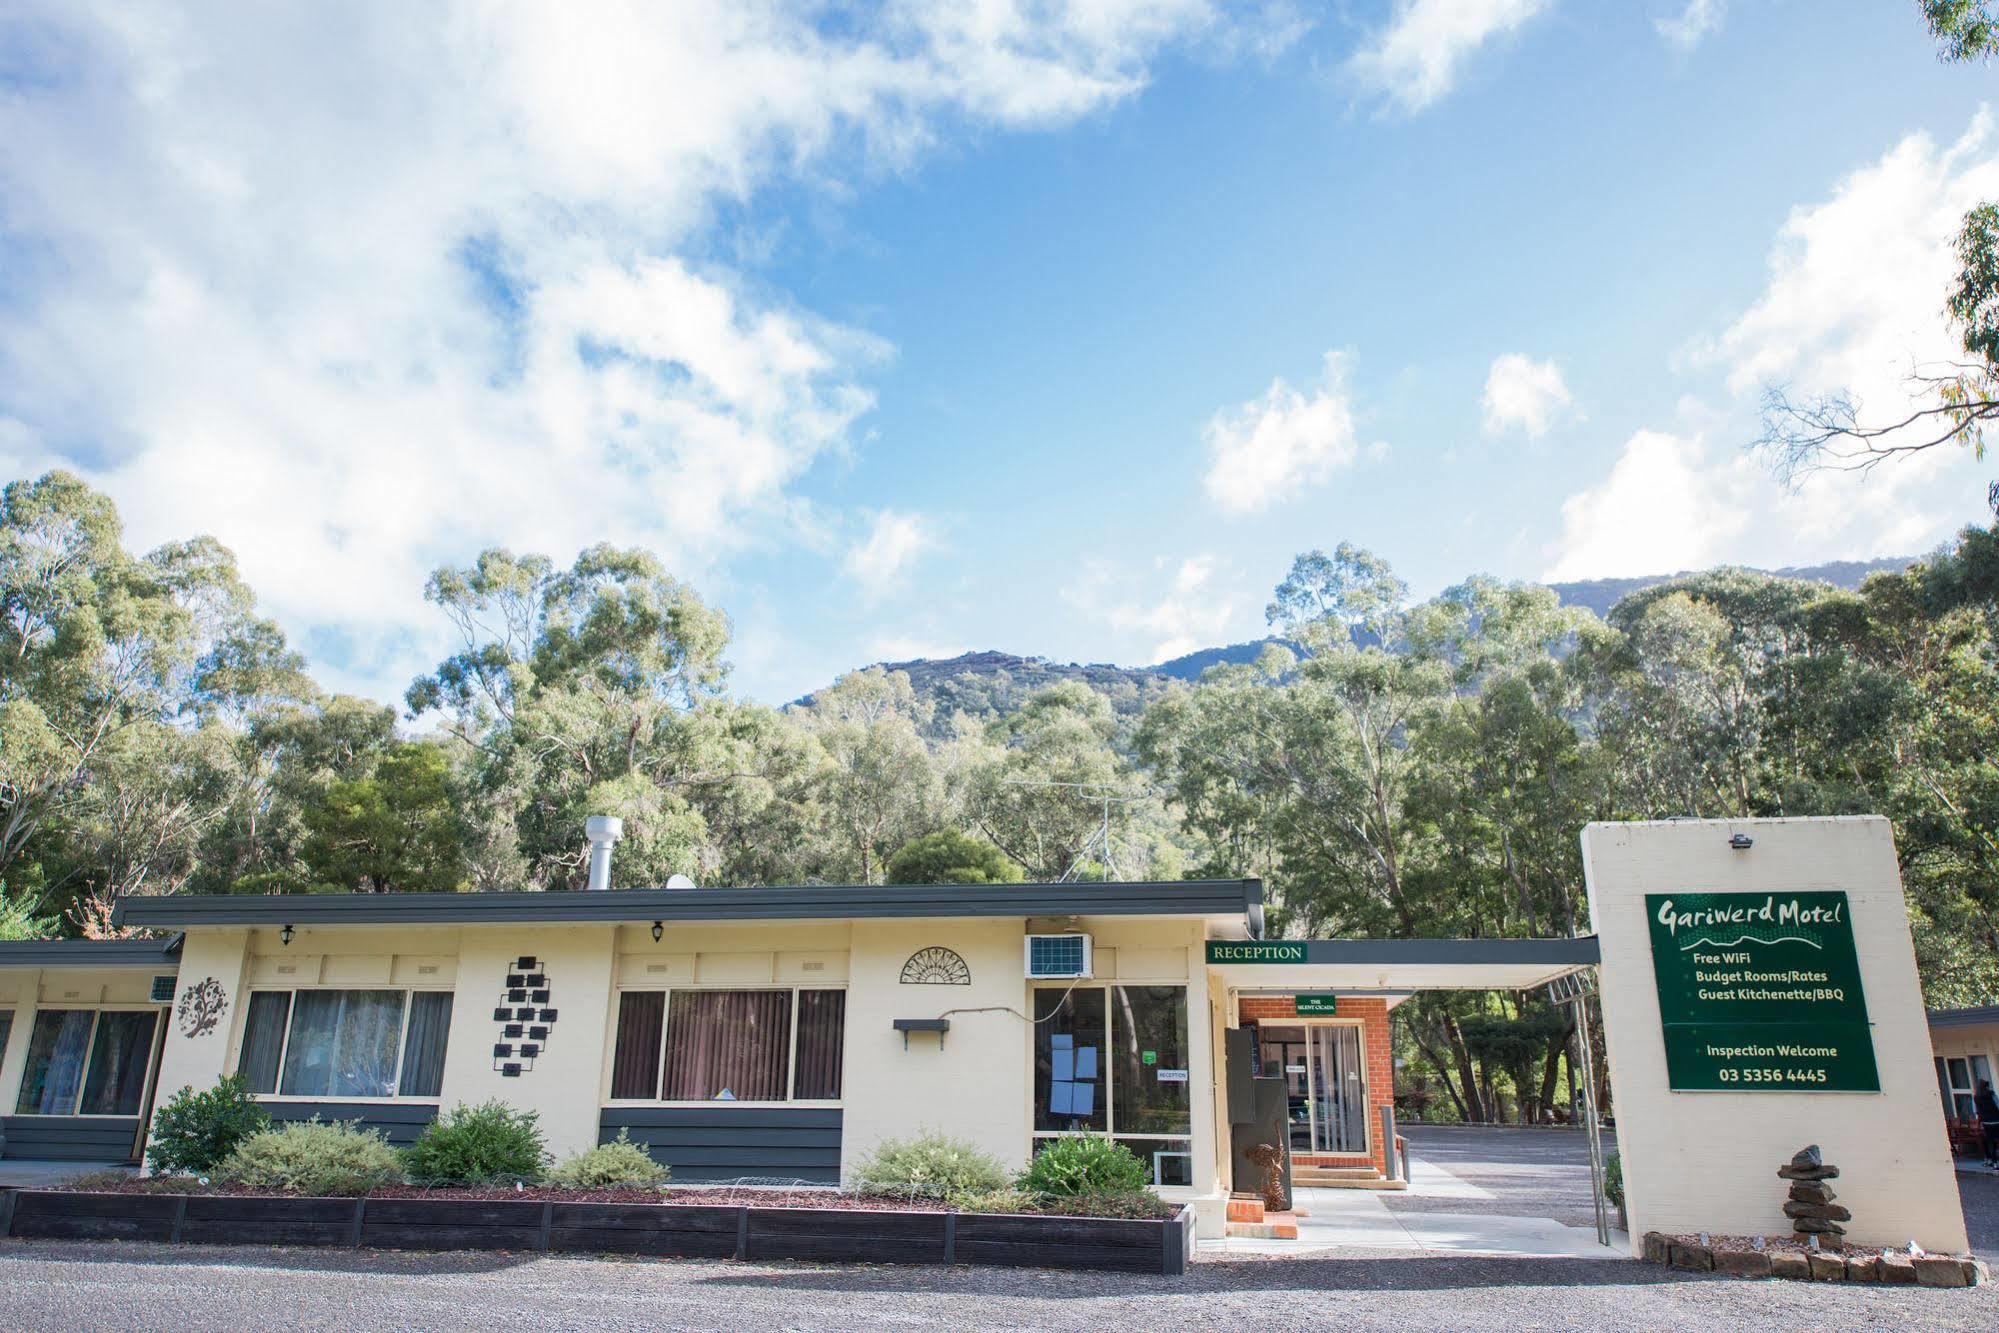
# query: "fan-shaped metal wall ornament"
{"points": [[936, 966]]}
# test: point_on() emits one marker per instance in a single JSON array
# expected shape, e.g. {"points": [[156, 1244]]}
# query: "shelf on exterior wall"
{"points": [[905, 1026]]}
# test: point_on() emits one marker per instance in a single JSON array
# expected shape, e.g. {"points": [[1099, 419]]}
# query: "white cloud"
{"points": [[1664, 507], [1417, 58], [1854, 301], [1268, 447], [1191, 610], [1524, 394], [882, 559], [1697, 20], [361, 289]]}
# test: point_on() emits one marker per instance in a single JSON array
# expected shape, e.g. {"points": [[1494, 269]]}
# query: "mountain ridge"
{"points": [[982, 682]]}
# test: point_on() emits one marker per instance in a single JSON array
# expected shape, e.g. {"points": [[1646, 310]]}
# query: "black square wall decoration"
{"points": [[527, 986]]}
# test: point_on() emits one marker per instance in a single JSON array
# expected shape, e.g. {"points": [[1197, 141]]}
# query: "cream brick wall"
{"points": [[563, 1085], [979, 1085], [1707, 1161], [196, 1062]]}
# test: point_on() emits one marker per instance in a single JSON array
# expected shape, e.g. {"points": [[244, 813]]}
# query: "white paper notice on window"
{"points": [[1172, 1076]]}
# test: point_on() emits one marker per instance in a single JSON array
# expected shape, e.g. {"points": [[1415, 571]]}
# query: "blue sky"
{"points": [[1054, 328]]}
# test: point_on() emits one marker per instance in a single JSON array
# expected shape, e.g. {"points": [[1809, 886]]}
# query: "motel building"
{"points": [[749, 1034], [1756, 981]]}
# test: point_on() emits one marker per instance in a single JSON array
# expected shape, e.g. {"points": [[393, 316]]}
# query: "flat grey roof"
{"points": [[1200, 897], [163, 953], [1950, 1018], [1403, 953]]}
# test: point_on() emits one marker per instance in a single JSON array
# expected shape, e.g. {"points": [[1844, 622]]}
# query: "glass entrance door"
{"points": [[1339, 1094], [1324, 1074]]}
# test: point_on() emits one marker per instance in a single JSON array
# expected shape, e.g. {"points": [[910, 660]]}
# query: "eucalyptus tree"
{"points": [[877, 787], [121, 679], [593, 689]]}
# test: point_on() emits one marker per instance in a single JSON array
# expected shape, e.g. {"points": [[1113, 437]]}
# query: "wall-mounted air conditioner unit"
{"points": [[1058, 956]]}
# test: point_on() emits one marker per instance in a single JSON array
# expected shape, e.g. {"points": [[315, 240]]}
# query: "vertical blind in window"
{"points": [[343, 1043], [423, 1048], [727, 1045], [822, 1025], [641, 1014], [264, 1039]]}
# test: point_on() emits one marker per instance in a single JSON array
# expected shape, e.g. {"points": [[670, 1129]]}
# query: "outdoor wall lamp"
{"points": [[1742, 842], [657, 931], [285, 935]]}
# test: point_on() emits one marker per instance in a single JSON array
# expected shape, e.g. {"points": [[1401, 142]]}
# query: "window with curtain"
{"points": [[737, 1045], [727, 1045], [343, 1043], [423, 1046], [86, 1062], [264, 1039], [58, 1046], [115, 1081], [822, 1028], [635, 1065]]}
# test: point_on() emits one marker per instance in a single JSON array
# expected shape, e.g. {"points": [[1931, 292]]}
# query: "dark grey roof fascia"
{"points": [[91, 953], [1580, 949], [1948, 1018], [1229, 897]]}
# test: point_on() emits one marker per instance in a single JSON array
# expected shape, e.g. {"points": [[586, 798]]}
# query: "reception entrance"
{"points": [[1325, 1076]]}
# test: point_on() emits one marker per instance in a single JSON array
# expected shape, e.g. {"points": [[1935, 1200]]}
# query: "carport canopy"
{"points": [[1398, 965]]}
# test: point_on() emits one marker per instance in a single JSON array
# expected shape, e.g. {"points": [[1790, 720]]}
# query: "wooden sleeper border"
{"points": [[664, 1230]]}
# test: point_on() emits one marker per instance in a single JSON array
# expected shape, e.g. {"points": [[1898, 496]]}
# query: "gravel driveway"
{"points": [[66, 1286]]}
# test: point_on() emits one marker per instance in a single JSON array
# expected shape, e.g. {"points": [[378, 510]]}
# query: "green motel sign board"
{"points": [[1760, 992]]}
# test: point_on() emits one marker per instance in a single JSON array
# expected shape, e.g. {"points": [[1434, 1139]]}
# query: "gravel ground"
{"points": [[65, 1286]]}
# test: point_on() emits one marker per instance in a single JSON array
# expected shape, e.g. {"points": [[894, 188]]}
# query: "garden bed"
{"points": [[747, 1224]]}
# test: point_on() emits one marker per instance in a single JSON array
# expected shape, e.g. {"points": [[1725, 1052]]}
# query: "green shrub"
{"points": [[619, 1163], [313, 1157], [470, 1144], [932, 1165], [1613, 1179], [1140, 1205], [1078, 1164], [1007, 1200], [195, 1131]]}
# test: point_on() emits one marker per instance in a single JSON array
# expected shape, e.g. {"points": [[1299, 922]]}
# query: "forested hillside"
{"points": [[1398, 769]]}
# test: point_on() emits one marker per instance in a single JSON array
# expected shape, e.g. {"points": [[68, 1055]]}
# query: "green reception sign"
{"points": [[1256, 951], [1760, 992]]}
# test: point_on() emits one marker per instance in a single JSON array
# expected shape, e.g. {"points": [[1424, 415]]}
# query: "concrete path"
{"points": [[1364, 1220]]}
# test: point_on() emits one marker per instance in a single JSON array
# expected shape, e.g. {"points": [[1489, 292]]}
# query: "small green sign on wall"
{"points": [[1760, 992], [1317, 1004]]}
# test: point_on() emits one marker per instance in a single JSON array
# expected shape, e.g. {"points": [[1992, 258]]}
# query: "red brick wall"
{"points": [[1376, 1049]]}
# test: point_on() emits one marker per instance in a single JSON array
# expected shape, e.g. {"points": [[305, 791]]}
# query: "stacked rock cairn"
{"points": [[1811, 1207]]}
